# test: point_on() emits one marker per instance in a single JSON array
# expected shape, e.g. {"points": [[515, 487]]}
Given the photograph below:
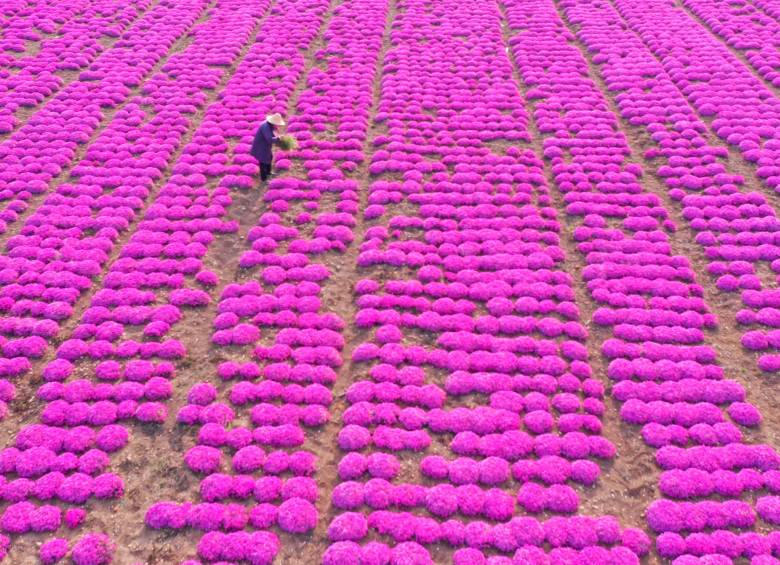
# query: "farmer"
{"points": [[262, 149]]}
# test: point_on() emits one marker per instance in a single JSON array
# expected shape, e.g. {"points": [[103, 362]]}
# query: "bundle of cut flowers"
{"points": [[288, 142]]}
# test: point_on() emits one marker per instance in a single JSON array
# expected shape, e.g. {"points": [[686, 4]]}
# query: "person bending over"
{"points": [[262, 146]]}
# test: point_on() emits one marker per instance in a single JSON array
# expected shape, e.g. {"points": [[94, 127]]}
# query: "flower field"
{"points": [[511, 297]]}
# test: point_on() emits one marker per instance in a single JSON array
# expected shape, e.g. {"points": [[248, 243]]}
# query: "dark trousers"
{"points": [[265, 171]]}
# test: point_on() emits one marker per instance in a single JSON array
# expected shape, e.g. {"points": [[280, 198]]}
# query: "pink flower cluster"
{"points": [[443, 500], [472, 399], [256, 547], [772, 9], [751, 29], [666, 515], [735, 227], [718, 546], [666, 375], [76, 112], [695, 483], [93, 549]]}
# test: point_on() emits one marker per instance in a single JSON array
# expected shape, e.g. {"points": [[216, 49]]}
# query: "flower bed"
{"points": [[430, 336], [665, 373]]}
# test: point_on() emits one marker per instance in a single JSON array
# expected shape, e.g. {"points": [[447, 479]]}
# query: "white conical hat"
{"points": [[275, 119]]}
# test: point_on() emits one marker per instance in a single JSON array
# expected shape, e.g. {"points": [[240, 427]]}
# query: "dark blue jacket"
{"points": [[262, 149]]}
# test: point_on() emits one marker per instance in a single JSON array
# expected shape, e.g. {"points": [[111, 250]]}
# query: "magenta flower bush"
{"points": [[53, 551], [93, 549]]}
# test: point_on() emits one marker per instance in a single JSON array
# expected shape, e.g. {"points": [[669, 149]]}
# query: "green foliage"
{"points": [[288, 142]]}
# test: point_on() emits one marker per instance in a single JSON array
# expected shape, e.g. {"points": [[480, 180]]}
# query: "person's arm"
{"points": [[269, 136]]}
